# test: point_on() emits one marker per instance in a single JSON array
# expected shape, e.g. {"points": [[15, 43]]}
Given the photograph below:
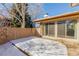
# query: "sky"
{"points": [[58, 8], [3, 9], [51, 8]]}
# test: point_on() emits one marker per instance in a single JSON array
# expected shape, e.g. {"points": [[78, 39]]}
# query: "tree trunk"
{"points": [[23, 24], [23, 16]]}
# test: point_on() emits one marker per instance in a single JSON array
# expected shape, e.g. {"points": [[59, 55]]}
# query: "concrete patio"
{"points": [[34, 46]]}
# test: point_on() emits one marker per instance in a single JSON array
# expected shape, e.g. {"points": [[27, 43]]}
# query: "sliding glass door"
{"points": [[50, 29], [46, 29], [71, 29], [66, 29], [61, 29]]}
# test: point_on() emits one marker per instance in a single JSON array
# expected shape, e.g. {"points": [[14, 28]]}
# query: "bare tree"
{"points": [[2, 19], [35, 10], [23, 15], [10, 13], [21, 12]]}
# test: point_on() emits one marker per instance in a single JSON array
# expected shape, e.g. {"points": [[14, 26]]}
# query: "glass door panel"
{"points": [[46, 29], [51, 29], [71, 29], [61, 29]]}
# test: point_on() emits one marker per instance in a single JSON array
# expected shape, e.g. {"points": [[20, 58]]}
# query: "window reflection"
{"points": [[71, 28]]}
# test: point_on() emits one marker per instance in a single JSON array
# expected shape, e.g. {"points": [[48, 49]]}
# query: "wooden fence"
{"points": [[7, 34]]}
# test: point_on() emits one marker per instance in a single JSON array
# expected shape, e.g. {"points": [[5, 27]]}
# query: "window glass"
{"points": [[61, 29], [46, 29], [51, 29], [71, 29]]}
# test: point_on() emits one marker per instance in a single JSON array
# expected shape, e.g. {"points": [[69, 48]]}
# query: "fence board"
{"points": [[7, 33]]}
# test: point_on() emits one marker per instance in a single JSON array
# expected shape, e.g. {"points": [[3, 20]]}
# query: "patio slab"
{"points": [[40, 46]]}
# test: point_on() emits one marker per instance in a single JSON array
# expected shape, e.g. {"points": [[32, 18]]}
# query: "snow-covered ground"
{"points": [[42, 47], [9, 50], [35, 46]]}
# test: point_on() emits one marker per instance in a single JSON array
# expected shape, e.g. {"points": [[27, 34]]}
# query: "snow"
{"points": [[41, 47], [9, 50], [33, 45]]}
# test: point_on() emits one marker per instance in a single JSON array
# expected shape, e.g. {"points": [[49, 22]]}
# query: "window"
{"points": [[61, 29], [51, 29], [46, 29], [71, 29], [65, 29]]}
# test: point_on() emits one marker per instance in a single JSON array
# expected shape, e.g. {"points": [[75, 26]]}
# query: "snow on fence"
{"points": [[7, 33]]}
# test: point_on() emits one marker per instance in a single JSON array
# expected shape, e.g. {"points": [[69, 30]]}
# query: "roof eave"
{"points": [[75, 14]]}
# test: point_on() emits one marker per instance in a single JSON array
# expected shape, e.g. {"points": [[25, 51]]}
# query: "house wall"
{"points": [[77, 31], [42, 28], [56, 30]]}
